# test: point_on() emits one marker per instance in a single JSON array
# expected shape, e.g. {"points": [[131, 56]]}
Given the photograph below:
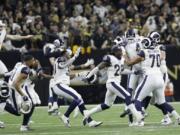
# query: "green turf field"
{"points": [[112, 124]]}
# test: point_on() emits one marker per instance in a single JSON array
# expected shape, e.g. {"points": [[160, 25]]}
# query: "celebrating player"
{"points": [[61, 87]]}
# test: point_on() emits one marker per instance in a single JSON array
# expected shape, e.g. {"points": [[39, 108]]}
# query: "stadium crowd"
{"points": [[91, 23]]}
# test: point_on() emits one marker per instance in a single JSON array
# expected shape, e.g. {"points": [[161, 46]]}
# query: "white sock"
{"points": [[49, 105], [133, 109], [95, 110], [55, 104], [175, 114], [143, 109], [126, 108]]}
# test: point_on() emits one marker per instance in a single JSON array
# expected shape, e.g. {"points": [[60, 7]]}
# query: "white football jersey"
{"points": [[114, 69], [132, 49], [163, 66], [151, 63], [28, 81], [61, 75], [18, 69]]}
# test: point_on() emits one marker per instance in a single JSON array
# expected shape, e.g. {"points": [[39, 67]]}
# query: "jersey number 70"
{"points": [[155, 60]]}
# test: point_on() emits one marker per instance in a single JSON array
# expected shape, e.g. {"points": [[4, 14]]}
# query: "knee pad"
{"points": [[128, 100], [78, 101], [81, 101]]}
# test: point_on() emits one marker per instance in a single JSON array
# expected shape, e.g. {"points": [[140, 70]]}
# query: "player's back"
{"points": [[114, 69], [18, 69], [61, 75]]}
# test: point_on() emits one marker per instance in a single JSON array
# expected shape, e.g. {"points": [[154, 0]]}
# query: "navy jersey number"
{"points": [[117, 68], [155, 60]]}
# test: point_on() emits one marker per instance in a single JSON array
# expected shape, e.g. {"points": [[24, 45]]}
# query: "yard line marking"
{"points": [[85, 132]]}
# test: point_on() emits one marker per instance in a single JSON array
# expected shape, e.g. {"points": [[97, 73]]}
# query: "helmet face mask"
{"points": [[4, 90], [130, 34]]}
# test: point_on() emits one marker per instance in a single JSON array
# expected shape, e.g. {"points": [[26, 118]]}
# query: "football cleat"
{"points": [[130, 124], [85, 121], [30, 122], [94, 123], [123, 114], [166, 121], [137, 124], [139, 117], [24, 128], [2, 125], [178, 121], [53, 110], [65, 120]]}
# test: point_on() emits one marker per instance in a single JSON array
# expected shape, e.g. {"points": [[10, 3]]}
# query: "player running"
{"points": [[114, 63]]}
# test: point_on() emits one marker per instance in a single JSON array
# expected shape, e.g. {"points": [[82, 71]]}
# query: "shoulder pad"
{"points": [[107, 59], [25, 70]]}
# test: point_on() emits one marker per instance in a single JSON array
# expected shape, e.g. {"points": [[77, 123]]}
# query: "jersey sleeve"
{"points": [[106, 59], [141, 54], [25, 70]]}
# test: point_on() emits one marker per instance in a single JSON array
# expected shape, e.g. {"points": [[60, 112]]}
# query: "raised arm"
{"points": [[18, 37], [71, 60]]}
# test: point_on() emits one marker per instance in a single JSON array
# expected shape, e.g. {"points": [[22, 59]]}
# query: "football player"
{"points": [[19, 102], [131, 43], [114, 64], [150, 60], [61, 87], [52, 51], [155, 37]]}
